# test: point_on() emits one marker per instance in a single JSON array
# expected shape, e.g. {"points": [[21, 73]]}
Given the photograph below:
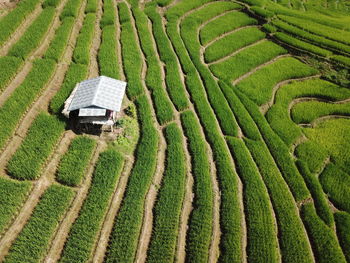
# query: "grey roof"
{"points": [[92, 111], [102, 92]]}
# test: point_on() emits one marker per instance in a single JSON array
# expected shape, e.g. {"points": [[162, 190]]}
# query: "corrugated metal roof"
{"points": [[92, 112], [102, 92]]}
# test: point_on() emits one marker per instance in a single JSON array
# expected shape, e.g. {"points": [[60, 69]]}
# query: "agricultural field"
{"points": [[232, 144]]}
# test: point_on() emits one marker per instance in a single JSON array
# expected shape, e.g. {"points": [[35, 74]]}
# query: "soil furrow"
{"points": [[41, 185]]}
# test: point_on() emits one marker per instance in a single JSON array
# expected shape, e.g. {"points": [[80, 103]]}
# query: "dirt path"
{"points": [[61, 235], [44, 99], [41, 185], [246, 75], [20, 30], [102, 243], [265, 107], [93, 66], [235, 52]]}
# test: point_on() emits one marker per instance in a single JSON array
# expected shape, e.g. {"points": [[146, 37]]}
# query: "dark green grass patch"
{"points": [[342, 220]]}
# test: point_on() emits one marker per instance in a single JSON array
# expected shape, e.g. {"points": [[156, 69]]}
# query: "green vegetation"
{"points": [[39, 143], [342, 220], [33, 35], [34, 240], [11, 21], [231, 43], [60, 41], [91, 6], [9, 67], [20, 100], [71, 9], [224, 24], [201, 218], [12, 195], [53, 3], [127, 139], [108, 17], [81, 52], [259, 86], [73, 164], [167, 210], [82, 235], [246, 60], [313, 154]]}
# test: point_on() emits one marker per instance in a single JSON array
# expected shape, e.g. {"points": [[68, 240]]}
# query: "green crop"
{"points": [[33, 35], [312, 154], [167, 211], [53, 3], [91, 6], [73, 164], [71, 9], [34, 239], [342, 60], [39, 143], [82, 235], [9, 67], [342, 220], [262, 12], [108, 17]]}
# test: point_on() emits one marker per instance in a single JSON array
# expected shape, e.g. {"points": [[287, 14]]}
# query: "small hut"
{"points": [[96, 101]]}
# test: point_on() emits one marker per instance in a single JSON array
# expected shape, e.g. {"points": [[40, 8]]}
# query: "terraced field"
{"points": [[233, 144]]}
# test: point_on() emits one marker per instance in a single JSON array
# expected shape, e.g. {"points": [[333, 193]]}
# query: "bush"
{"points": [[201, 218], [19, 101], [127, 226], [35, 149], [9, 67], [261, 231], [34, 239], [303, 45], [224, 24], [60, 41], [167, 211], [323, 240], [71, 9], [81, 52], [83, 233], [12, 195], [231, 43], [342, 220], [33, 35], [73, 164]]}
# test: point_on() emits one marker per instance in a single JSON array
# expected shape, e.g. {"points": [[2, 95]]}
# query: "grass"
{"points": [[231, 43], [201, 218], [83, 233], [246, 60], [312, 154], [12, 195], [224, 24], [53, 3], [108, 17], [9, 67], [35, 149], [167, 211], [73, 164], [34, 240], [259, 86], [342, 220], [33, 35], [91, 6], [71, 9]]}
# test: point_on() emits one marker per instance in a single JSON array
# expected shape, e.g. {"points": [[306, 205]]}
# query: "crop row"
{"points": [[60, 41], [247, 60], [322, 238], [11, 21], [19, 101], [342, 220], [224, 24], [83, 234], [81, 54], [162, 103], [342, 60], [33, 35], [259, 86], [201, 218], [318, 29], [261, 232], [299, 44], [193, 63], [91, 6], [291, 234], [278, 115], [307, 112], [38, 144], [34, 239], [313, 155], [9, 67], [320, 199], [108, 17], [53, 3], [279, 151], [229, 218], [167, 210], [73, 163], [71, 9], [315, 39], [127, 226], [336, 184], [12, 195], [232, 42], [173, 81]]}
